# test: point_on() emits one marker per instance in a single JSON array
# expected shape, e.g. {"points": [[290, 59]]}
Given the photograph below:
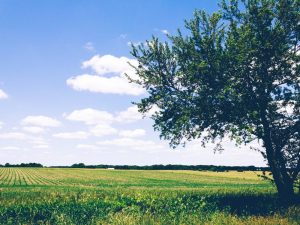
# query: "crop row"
{"points": [[24, 177]]}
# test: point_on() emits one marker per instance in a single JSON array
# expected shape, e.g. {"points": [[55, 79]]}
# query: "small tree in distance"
{"points": [[235, 74]]}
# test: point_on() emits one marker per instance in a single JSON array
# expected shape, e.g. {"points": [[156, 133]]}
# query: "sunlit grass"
{"points": [[95, 196]]}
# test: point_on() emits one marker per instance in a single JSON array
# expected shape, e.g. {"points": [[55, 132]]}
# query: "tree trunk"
{"points": [[284, 183]]}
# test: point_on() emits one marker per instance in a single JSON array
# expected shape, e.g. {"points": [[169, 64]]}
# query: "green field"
{"points": [[95, 196]]}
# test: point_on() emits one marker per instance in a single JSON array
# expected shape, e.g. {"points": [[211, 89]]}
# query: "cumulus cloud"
{"points": [[106, 85], [131, 114], [109, 78], [72, 135], [103, 130], [153, 111], [85, 146], [132, 144], [23, 137], [39, 141], [3, 95], [41, 146], [90, 116], [132, 133], [13, 135], [40, 121], [108, 64], [34, 130], [100, 122], [126, 142], [10, 148]]}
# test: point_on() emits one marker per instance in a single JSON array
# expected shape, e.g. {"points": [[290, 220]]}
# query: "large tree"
{"points": [[234, 73]]}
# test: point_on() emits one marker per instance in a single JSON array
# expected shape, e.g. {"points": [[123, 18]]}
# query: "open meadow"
{"points": [[156, 112], [96, 196]]}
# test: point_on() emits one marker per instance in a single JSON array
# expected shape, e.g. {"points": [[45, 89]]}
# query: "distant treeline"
{"points": [[170, 167], [153, 167], [22, 165]]}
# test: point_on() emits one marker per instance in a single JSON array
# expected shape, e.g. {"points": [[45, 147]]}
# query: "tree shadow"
{"points": [[266, 204]]}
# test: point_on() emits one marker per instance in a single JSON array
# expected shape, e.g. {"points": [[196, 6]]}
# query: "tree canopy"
{"points": [[235, 74]]}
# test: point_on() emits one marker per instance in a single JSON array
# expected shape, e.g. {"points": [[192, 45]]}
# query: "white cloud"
{"points": [[1, 124], [40, 121], [72, 135], [115, 83], [84, 146], [164, 31], [109, 64], [34, 130], [91, 116], [103, 130], [13, 135], [10, 148], [129, 115], [41, 146], [132, 133], [3, 95], [126, 142], [131, 144], [99, 122], [106, 85], [153, 111], [89, 46], [38, 141]]}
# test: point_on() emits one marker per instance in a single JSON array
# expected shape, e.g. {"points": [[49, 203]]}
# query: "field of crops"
{"points": [[128, 178], [94, 196]]}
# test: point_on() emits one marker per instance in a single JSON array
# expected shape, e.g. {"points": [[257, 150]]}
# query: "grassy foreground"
{"points": [[83, 196]]}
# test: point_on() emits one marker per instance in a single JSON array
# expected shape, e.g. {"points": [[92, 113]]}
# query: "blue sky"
{"points": [[63, 96]]}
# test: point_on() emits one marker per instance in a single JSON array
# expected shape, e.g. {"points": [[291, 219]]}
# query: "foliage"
{"points": [[22, 165], [235, 74], [168, 167]]}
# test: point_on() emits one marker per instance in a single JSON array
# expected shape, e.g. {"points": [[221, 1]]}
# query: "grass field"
{"points": [[94, 196]]}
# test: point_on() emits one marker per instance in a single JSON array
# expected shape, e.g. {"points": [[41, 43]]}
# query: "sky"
{"points": [[63, 95]]}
